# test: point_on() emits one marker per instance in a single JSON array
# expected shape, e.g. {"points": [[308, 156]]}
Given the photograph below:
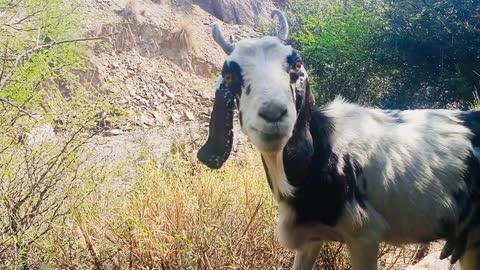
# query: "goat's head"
{"points": [[264, 77]]}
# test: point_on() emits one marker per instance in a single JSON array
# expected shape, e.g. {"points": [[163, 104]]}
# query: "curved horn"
{"points": [[220, 39], [283, 31]]}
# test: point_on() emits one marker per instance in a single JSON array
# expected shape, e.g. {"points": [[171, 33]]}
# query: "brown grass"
{"points": [[183, 36], [132, 11], [179, 215], [183, 216]]}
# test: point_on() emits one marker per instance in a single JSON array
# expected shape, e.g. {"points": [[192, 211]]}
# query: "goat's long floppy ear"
{"points": [[220, 134], [305, 102]]}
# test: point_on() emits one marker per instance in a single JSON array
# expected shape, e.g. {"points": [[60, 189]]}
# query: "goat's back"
{"points": [[420, 168]]}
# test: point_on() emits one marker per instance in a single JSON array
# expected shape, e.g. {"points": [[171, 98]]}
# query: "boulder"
{"points": [[246, 12], [41, 134]]}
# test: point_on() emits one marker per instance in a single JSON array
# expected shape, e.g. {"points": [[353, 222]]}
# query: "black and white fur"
{"points": [[347, 173]]}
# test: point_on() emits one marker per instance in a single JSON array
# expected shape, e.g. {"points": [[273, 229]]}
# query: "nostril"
{"points": [[273, 112]]}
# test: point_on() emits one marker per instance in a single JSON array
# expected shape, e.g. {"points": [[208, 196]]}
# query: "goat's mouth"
{"points": [[270, 139], [270, 135]]}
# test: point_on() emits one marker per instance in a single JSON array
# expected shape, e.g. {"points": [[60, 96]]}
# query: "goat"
{"points": [[343, 172]]}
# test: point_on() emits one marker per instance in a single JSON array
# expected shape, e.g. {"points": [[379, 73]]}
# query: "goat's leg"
{"points": [[305, 256], [363, 254], [471, 259]]}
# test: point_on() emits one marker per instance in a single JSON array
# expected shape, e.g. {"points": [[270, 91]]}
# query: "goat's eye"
{"points": [[298, 66], [248, 90], [228, 78]]}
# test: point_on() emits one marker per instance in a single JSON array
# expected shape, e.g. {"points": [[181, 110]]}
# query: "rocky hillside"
{"points": [[249, 12], [160, 61]]}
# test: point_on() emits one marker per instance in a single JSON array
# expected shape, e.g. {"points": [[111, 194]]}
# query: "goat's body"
{"points": [[413, 163], [344, 172], [367, 176]]}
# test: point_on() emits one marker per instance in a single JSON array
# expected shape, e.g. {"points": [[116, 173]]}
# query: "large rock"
{"points": [[246, 12], [41, 134]]}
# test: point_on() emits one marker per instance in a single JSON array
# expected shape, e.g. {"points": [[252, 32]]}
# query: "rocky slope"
{"points": [[249, 12], [160, 62]]}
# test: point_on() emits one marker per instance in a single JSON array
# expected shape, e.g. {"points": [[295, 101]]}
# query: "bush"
{"points": [[183, 37], [46, 120], [178, 214], [435, 45], [339, 49], [403, 54], [32, 61]]}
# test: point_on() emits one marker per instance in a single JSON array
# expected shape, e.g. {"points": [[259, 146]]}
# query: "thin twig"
{"points": [[82, 39], [11, 5], [37, 40], [17, 62], [90, 246], [259, 205], [252, 218], [5, 57], [131, 33], [30, 15], [395, 260], [16, 107]]}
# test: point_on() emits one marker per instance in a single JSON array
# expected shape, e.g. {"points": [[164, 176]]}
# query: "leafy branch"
{"points": [[37, 48]]}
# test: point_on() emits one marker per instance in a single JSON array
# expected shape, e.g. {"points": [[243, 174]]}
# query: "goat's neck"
{"points": [[285, 168], [276, 175], [297, 154]]}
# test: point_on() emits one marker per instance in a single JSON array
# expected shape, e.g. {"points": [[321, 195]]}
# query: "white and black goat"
{"points": [[347, 173]]}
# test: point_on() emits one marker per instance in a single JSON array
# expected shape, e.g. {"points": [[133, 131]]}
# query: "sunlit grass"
{"points": [[179, 214], [476, 101]]}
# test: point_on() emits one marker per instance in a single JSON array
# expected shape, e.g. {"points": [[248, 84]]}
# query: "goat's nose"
{"points": [[272, 111]]}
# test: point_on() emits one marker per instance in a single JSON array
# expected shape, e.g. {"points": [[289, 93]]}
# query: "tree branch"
{"points": [[30, 15], [16, 107], [20, 57], [17, 62], [4, 61], [40, 47], [81, 39]]}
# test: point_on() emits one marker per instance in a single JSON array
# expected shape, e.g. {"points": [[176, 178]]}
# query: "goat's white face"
{"points": [[258, 73], [262, 76]]}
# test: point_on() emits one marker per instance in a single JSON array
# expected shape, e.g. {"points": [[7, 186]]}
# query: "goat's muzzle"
{"points": [[273, 126], [273, 112]]}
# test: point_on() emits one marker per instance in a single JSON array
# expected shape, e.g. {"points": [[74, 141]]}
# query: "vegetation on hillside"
{"points": [[42, 176], [402, 54]]}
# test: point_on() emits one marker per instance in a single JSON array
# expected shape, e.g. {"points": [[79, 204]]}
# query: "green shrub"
{"points": [[435, 50], [46, 120], [339, 49], [403, 54], [31, 63]]}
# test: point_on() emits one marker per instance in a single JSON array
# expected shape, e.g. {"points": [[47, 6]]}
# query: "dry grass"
{"points": [[177, 215], [183, 36], [131, 10], [181, 215]]}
